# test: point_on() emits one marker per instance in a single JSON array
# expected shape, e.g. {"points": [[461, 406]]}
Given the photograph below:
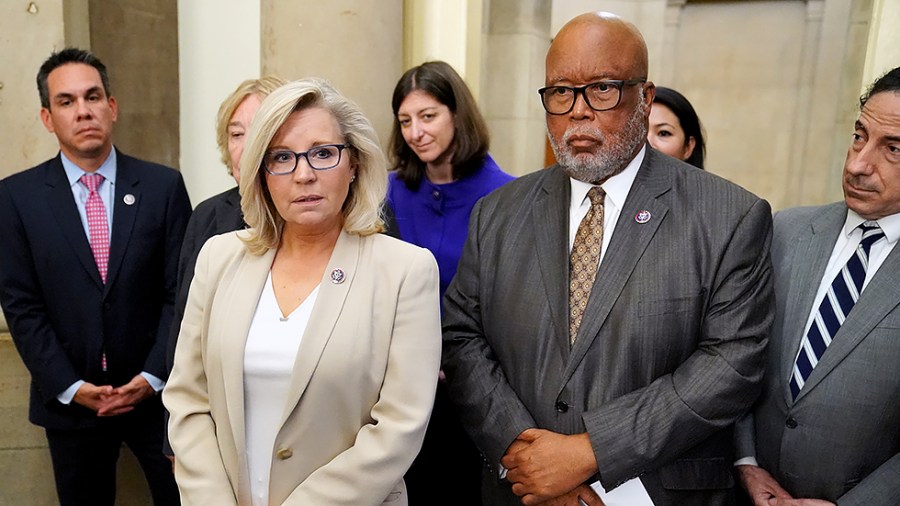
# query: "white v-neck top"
{"points": [[269, 356]]}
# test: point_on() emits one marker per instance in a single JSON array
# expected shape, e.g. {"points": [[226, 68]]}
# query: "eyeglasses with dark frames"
{"points": [[599, 96], [282, 162]]}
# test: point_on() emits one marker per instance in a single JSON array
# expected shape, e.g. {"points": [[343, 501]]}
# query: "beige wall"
{"points": [[138, 42], [743, 86], [216, 53], [358, 46], [883, 52], [516, 40], [447, 30], [436, 30], [28, 37]]}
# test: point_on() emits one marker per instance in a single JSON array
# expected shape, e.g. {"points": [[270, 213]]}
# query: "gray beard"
{"points": [[616, 150]]}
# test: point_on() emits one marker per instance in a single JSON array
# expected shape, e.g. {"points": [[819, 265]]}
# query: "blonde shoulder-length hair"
{"points": [[362, 209], [261, 88]]}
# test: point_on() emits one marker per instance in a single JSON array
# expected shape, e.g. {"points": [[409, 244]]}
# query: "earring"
{"points": [[353, 178]]}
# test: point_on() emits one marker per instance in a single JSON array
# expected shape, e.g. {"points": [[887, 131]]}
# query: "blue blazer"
{"points": [[62, 317]]}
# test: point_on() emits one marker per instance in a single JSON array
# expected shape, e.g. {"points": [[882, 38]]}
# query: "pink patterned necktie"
{"points": [[98, 226]]}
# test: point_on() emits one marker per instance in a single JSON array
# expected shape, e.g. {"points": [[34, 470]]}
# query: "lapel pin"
{"points": [[643, 216], [337, 276], [129, 199]]}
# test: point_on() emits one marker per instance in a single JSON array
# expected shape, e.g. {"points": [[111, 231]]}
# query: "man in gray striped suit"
{"points": [[630, 358], [827, 427]]}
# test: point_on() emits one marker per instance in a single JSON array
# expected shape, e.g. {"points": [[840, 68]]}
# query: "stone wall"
{"points": [[358, 46], [136, 40]]}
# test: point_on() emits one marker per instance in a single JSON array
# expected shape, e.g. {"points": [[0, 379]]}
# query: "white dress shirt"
{"points": [[845, 246], [616, 188], [269, 356]]}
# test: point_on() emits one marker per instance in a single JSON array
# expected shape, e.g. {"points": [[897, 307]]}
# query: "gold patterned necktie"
{"points": [[584, 260]]}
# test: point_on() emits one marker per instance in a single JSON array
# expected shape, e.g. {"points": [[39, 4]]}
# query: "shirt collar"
{"points": [[890, 225], [616, 187], [74, 172]]}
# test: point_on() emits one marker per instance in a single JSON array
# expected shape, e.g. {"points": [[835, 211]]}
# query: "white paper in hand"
{"points": [[630, 493]]}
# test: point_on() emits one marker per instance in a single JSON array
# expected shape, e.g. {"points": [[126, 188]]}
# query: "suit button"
{"points": [[790, 423], [561, 407], [284, 453]]}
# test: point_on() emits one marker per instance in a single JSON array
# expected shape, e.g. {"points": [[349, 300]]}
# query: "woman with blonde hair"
{"points": [[303, 372], [220, 213]]}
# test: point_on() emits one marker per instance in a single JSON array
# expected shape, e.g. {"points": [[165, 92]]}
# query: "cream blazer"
{"points": [[362, 388]]}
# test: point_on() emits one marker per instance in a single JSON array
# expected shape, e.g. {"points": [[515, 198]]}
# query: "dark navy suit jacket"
{"points": [[216, 215], [62, 317]]}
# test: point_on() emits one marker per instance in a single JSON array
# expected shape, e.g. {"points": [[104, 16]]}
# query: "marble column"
{"points": [[516, 42], [358, 46], [219, 47]]}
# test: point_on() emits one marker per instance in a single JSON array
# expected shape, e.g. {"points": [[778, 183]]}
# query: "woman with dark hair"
{"points": [[675, 128], [439, 152]]}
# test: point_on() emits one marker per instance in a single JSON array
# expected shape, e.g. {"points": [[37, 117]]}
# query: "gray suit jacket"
{"points": [[840, 440], [671, 348]]}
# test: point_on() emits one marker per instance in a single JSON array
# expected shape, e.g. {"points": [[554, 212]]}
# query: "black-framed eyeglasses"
{"points": [[282, 162], [599, 96]]}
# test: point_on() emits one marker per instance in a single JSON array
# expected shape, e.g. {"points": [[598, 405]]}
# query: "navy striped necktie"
{"points": [[836, 305]]}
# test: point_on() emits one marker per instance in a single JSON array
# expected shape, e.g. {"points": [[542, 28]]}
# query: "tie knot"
{"points": [[91, 181], [871, 234], [596, 194]]}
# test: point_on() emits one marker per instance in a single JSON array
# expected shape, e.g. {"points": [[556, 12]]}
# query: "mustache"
{"points": [[860, 183], [586, 130]]}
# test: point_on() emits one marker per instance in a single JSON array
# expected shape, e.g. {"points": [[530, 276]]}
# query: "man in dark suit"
{"points": [[825, 429], [568, 373], [87, 284]]}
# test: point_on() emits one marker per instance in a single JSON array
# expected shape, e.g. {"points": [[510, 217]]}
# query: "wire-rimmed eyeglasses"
{"points": [[282, 162], [599, 96]]}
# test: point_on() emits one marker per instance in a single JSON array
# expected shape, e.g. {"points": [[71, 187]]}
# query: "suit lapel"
{"points": [[808, 262], [550, 218], [228, 208], [328, 307], [628, 243], [125, 210], [242, 294], [64, 208], [877, 300]]}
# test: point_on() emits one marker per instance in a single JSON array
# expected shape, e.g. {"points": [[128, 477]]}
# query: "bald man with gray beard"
{"points": [[609, 318]]}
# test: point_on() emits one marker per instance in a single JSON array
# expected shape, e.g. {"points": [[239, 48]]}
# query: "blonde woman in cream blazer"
{"points": [[359, 394]]}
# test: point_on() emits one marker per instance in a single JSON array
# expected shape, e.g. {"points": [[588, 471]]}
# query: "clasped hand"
{"points": [[108, 401], [545, 467], [764, 490]]}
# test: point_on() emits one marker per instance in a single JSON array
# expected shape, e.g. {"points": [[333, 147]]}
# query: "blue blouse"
{"points": [[436, 216]]}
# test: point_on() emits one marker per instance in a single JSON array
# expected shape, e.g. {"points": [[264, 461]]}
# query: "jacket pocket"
{"points": [[668, 306], [393, 497], [697, 474]]}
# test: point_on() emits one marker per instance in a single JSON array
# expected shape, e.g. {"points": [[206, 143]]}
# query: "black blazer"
{"points": [[216, 215], [60, 314]]}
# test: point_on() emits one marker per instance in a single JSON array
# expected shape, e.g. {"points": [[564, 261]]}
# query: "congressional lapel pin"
{"points": [[337, 276], [129, 199], [643, 216]]}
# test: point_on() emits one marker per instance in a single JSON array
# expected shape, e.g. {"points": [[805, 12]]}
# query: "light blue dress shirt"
{"points": [[107, 191]]}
